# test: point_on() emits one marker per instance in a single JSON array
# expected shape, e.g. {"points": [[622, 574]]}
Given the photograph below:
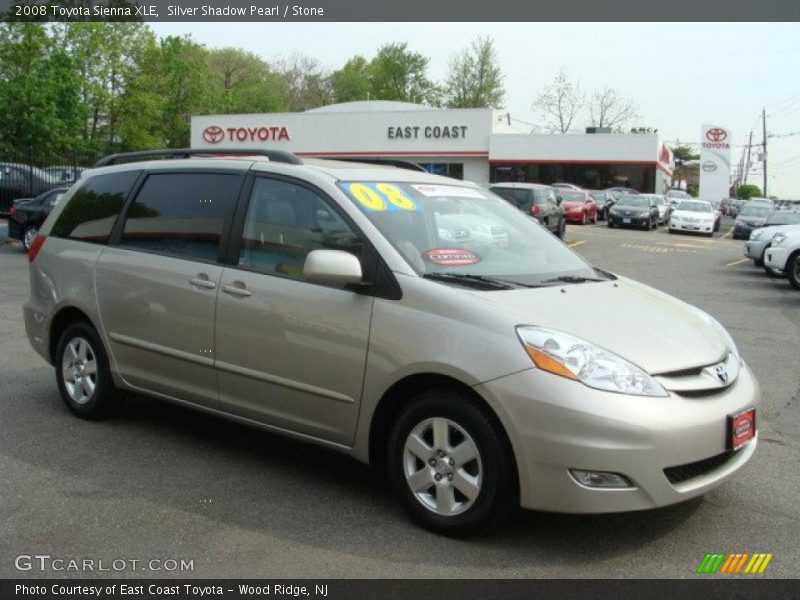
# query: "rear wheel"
{"points": [[82, 373], [451, 464], [28, 235]]}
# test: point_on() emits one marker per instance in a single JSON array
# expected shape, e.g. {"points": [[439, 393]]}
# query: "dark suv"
{"points": [[539, 201]]}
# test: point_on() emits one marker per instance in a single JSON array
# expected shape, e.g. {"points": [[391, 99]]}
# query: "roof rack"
{"points": [[280, 156], [389, 162]]}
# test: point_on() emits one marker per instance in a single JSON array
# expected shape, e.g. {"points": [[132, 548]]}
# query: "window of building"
{"points": [[454, 170], [93, 209], [181, 214], [285, 221]]}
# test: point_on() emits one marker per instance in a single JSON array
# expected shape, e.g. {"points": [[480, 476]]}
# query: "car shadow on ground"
{"points": [[261, 482]]}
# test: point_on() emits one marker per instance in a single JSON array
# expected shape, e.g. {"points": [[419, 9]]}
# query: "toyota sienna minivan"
{"points": [[317, 299]]}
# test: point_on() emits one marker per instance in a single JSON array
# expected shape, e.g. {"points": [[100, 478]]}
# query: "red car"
{"points": [[578, 206]]}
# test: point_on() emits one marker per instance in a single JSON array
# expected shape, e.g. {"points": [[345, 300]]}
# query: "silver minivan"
{"points": [[321, 300]]}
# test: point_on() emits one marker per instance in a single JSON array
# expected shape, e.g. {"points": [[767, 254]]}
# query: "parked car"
{"points": [[535, 199], [693, 216], [604, 202], [778, 222], [578, 206], [314, 299], [566, 186], [663, 206], [26, 217], [21, 181], [634, 211], [751, 216], [63, 174], [734, 208], [622, 191], [783, 256]]}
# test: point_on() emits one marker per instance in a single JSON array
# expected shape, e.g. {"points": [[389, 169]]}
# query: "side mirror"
{"points": [[332, 267]]}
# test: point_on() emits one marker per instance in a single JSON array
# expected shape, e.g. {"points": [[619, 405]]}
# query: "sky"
{"points": [[681, 75]]}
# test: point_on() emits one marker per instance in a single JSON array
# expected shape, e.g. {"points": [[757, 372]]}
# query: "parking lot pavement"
{"points": [[165, 482]]}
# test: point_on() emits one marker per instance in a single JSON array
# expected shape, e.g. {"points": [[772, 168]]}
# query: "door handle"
{"points": [[203, 283], [235, 290]]}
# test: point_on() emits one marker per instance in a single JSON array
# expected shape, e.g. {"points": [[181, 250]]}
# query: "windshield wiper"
{"points": [[476, 281], [571, 279]]}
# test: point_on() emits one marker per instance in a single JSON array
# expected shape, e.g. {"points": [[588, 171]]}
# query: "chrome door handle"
{"points": [[235, 291], [203, 283]]}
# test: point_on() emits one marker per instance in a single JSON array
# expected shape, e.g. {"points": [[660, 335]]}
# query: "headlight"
{"points": [[571, 357], [645, 213], [756, 234], [723, 333], [778, 238]]}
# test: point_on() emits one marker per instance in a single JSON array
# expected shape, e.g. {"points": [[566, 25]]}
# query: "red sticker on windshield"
{"points": [[452, 257]]}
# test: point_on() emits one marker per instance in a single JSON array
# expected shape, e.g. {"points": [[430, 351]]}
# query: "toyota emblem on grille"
{"points": [[722, 373]]}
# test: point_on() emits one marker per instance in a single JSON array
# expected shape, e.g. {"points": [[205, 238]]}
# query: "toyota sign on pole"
{"points": [[715, 162]]}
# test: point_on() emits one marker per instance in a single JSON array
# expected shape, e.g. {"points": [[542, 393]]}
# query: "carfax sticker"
{"points": [[452, 257]]}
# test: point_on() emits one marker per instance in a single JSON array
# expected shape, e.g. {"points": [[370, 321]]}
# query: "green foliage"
{"points": [[747, 191], [352, 82], [243, 82], [693, 189], [475, 79], [685, 153], [398, 74]]}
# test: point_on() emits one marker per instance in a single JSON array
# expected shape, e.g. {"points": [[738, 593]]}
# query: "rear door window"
{"points": [[181, 214], [520, 197], [91, 213]]}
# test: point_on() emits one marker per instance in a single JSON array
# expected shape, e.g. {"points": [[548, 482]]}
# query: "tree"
{"points": [[352, 81], [38, 92], [398, 74], [560, 103], [475, 79], [244, 83], [747, 191], [307, 84], [608, 108], [684, 153]]}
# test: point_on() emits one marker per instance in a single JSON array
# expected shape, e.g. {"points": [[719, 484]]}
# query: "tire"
{"points": [[759, 262], [92, 396], [609, 224], [28, 235], [488, 471], [793, 270]]}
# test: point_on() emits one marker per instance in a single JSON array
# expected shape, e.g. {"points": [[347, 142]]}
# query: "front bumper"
{"points": [[699, 227], [742, 231], [755, 248], [632, 221], [776, 257], [556, 424]]}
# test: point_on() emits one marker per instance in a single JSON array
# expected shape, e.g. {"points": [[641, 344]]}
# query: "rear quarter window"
{"points": [[90, 214]]}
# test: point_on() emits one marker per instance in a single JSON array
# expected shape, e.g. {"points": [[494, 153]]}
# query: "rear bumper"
{"points": [[35, 312], [556, 424]]}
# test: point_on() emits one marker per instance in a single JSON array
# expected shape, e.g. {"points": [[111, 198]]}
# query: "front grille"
{"points": [[683, 473]]}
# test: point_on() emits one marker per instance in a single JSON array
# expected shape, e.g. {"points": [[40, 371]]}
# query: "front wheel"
{"points": [[452, 465], [793, 270], [583, 219], [82, 373]]}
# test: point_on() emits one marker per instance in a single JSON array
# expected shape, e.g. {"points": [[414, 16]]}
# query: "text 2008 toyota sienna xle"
{"points": [[328, 302]]}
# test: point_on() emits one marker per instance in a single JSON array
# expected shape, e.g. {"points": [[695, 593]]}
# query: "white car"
{"points": [[693, 216], [784, 256]]}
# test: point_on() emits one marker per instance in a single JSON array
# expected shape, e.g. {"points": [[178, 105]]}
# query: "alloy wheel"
{"points": [[79, 370]]}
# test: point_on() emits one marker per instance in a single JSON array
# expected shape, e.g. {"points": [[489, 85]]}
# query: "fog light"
{"points": [[600, 479]]}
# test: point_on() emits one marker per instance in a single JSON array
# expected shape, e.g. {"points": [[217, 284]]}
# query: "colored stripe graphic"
{"points": [[720, 562]]}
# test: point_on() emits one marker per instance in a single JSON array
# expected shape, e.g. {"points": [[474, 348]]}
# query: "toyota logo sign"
{"points": [[213, 134], [717, 134]]}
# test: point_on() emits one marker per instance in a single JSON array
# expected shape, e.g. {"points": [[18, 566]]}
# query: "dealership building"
{"points": [[475, 144]]}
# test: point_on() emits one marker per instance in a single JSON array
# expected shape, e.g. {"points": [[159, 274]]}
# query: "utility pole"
{"points": [[747, 162], [764, 125]]}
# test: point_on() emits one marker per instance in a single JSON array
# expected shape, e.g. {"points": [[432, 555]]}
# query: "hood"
{"points": [[771, 230], [631, 209], [651, 329], [693, 214]]}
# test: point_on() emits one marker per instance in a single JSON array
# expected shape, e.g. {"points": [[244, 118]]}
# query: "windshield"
{"points": [[784, 218], [695, 207], [465, 231], [635, 201], [755, 211], [572, 196]]}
